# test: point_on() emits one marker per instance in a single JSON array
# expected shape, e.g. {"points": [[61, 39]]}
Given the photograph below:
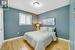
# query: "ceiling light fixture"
{"points": [[36, 4]]}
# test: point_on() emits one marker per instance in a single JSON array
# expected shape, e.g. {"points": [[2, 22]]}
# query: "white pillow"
{"points": [[51, 29], [44, 29]]}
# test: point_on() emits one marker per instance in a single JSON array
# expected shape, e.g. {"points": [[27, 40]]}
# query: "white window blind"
{"points": [[25, 19]]}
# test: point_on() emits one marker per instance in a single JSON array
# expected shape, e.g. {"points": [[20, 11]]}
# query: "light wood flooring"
{"points": [[21, 44]]}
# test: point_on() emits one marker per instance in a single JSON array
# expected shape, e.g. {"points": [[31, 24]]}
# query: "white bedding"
{"points": [[39, 40]]}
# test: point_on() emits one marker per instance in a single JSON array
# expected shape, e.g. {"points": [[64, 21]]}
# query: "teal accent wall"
{"points": [[62, 20], [11, 24], [72, 24]]}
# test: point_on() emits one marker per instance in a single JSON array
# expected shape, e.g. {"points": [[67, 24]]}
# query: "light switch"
{"points": [[74, 13]]}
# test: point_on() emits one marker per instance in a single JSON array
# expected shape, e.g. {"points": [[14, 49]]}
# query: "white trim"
{"points": [[65, 40], [12, 39], [22, 37], [1, 27], [1, 42]]}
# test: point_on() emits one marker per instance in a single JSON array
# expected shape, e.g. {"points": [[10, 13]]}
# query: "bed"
{"points": [[39, 40]]}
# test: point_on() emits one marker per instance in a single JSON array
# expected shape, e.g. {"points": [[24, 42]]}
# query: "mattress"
{"points": [[39, 40]]}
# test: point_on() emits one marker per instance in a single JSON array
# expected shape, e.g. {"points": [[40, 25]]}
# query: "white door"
{"points": [[1, 27]]}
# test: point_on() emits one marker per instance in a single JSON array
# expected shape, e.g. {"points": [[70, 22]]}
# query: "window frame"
{"points": [[22, 23]]}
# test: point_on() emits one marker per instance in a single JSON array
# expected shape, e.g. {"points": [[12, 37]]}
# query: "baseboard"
{"points": [[64, 40], [13, 38], [1, 42], [22, 36]]}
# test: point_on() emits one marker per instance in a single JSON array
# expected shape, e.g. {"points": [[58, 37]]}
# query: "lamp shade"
{"points": [[37, 24]]}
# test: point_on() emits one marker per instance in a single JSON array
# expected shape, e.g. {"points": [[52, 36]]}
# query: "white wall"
{"points": [[1, 27]]}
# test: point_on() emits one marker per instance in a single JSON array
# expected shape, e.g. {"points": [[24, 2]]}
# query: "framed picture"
{"points": [[49, 21]]}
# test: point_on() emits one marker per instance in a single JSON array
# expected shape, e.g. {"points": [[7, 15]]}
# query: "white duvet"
{"points": [[39, 40]]}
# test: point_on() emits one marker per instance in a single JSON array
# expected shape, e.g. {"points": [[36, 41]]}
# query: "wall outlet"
{"points": [[18, 33]]}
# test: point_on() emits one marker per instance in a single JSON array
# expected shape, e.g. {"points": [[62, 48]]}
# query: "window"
{"points": [[25, 19]]}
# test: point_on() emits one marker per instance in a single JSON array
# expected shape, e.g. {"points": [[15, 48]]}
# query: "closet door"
{"points": [[1, 27]]}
